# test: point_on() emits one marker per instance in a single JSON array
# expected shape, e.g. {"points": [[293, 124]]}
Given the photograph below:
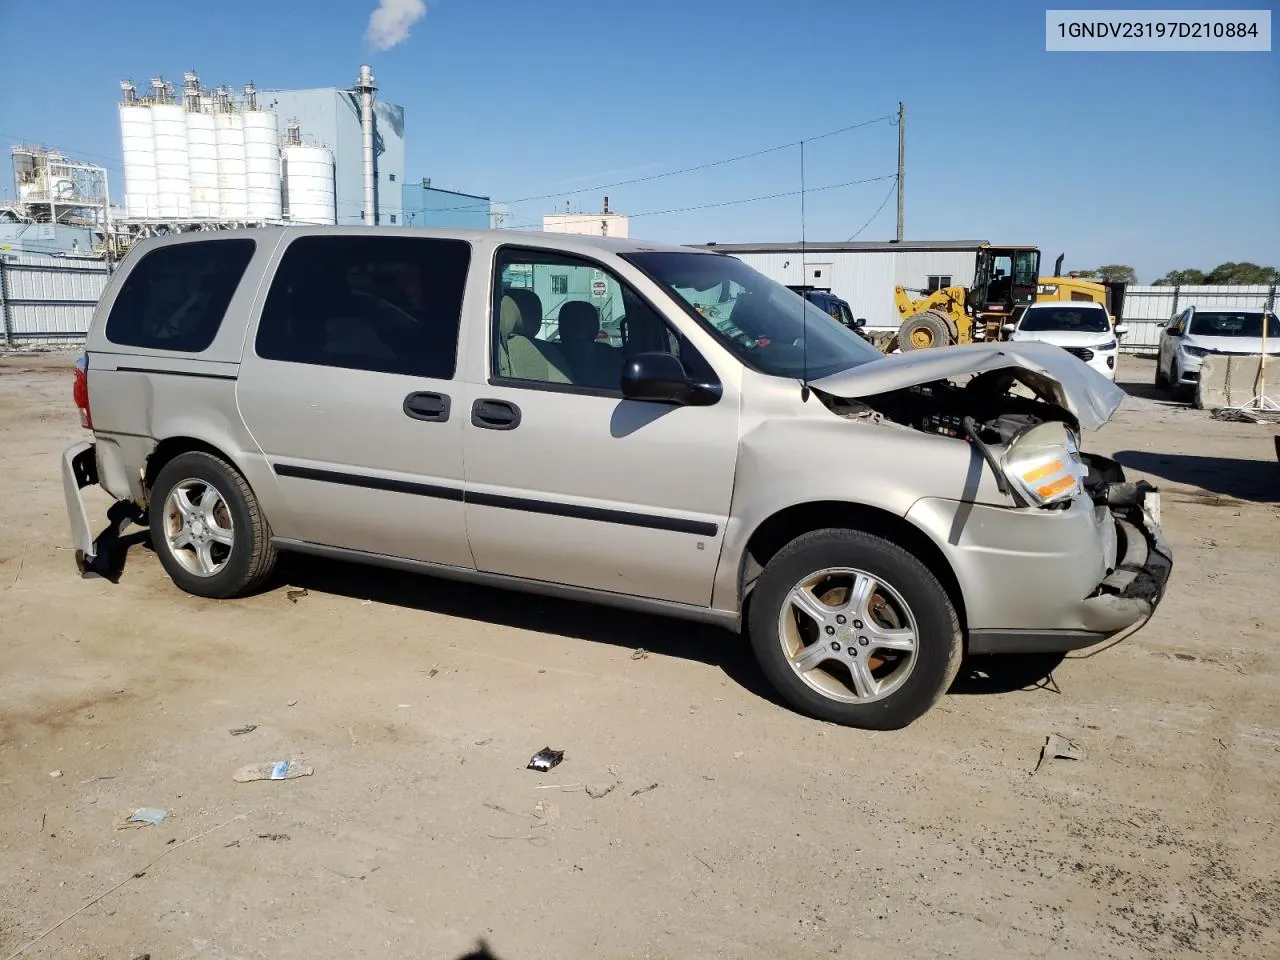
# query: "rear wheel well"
{"points": [[172, 447], [785, 525]]}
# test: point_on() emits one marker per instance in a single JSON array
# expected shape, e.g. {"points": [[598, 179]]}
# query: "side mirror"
{"points": [[860, 322], [661, 378], [1009, 327], [1122, 329]]}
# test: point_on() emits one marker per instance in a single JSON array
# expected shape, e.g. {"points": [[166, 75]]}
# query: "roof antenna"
{"points": [[804, 304]]}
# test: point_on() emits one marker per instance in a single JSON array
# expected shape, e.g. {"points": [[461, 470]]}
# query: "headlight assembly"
{"points": [[1194, 351], [1043, 465]]}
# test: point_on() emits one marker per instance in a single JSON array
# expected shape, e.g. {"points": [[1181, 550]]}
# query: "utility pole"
{"points": [[902, 160]]}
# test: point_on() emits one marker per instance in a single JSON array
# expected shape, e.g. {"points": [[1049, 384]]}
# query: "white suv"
{"points": [[1082, 329]]}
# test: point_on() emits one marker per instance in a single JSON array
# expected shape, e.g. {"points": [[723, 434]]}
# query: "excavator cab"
{"points": [[1004, 279]]}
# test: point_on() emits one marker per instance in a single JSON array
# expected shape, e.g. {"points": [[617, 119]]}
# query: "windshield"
{"points": [[1073, 319], [1230, 323], [761, 322]]}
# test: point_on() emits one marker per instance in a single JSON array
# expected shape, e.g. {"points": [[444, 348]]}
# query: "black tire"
{"points": [[251, 556], [931, 325], [1162, 382], [939, 645]]}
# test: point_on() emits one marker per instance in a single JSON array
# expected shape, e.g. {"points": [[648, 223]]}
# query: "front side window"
{"points": [[767, 327], [176, 296], [384, 304], [1024, 267], [563, 320], [1230, 323], [1073, 319]]}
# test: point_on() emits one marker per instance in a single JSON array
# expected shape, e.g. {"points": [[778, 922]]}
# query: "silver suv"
{"points": [[445, 401]]}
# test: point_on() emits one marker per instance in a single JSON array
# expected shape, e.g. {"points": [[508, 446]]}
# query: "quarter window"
{"points": [[176, 296], [565, 321], [384, 304]]}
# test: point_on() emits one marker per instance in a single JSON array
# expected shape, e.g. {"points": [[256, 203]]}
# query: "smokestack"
{"points": [[606, 204], [365, 87], [250, 97]]}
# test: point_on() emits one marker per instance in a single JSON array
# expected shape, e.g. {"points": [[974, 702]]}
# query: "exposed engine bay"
{"points": [[942, 407]]}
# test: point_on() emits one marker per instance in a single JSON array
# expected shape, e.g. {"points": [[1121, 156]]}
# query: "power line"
{"points": [[693, 169], [724, 203], [892, 187]]}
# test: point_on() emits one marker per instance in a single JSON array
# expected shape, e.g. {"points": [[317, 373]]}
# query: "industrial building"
{"points": [[209, 159], [865, 274], [62, 205], [428, 206], [602, 224]]}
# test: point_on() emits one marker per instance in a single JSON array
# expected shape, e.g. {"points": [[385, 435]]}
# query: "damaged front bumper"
{"points": [[1037, 581]]}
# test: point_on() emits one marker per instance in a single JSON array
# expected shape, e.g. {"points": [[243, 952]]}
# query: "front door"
{"points": [[567, 482], [348, 388]]}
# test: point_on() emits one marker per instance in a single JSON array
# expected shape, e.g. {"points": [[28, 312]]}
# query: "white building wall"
{"points": [[589, 224], [913, 268], [865, 279]]}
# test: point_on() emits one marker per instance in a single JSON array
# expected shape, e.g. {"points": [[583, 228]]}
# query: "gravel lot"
{"points": [[736, 829]]}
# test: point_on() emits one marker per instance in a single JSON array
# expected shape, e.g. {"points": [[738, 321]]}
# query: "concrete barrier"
{"points": [[1232, 381]]}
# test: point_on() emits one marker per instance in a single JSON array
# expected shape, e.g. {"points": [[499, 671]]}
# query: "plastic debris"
{"points": [[597, 790], [1059, 748], [55, 774], [545, 759], [241, 731], [639, 654], [275, 770], [273, 836], [296, 595], [652, 786], [148, 816]]}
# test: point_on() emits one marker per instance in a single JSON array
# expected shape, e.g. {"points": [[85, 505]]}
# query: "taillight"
{"points": [[80, 391]]}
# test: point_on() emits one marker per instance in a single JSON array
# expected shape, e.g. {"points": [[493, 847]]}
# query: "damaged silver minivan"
{"points": [[645, 426]]}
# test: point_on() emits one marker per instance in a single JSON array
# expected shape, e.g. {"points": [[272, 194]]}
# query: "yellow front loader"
{"points": [[1004, 284]]}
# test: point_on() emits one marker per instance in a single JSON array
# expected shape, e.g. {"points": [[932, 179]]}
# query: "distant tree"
{"points": [[1226, 273], [1180, 278], [1116, 272]]}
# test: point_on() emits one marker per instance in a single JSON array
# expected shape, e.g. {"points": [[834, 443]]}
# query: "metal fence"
{"points": [[1145, 308], [49, 300]]}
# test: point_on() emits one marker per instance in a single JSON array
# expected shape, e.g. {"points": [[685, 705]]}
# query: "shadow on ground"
{"points": [[1146, 390], [1257, 480], [597, 624], [523, 611]]}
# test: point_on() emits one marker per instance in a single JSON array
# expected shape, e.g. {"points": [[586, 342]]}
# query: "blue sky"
{"points": [[1158, 160]]}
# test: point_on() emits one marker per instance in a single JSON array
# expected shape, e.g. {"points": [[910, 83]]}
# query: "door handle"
{"points": [[433, 407], [495, 415]]}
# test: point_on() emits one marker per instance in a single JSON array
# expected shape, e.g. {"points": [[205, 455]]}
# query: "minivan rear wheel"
{"points": [[853, 629], [207, 528]]}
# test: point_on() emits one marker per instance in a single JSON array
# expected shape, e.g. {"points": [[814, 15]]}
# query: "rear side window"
{"points": [[176, 296], [385, 304]]}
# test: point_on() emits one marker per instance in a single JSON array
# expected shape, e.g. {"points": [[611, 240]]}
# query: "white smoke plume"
{"points": [[389, 24]]}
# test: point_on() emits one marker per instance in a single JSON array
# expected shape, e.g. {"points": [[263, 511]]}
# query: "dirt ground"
{"points": [[737, 828]]}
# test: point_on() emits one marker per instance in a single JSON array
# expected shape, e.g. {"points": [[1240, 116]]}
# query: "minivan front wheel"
{"points": [[207, 528], [853, 629]]}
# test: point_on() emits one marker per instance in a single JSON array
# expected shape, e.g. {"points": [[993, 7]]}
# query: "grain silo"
{"points": [[308, 179], [202, 151], [228, 124], [261, 158], [139, 153], [173, 171]]}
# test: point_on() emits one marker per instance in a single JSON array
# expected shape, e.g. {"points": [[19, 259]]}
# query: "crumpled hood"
{"points": [[1052, 373]]}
